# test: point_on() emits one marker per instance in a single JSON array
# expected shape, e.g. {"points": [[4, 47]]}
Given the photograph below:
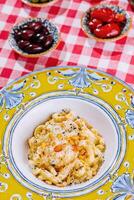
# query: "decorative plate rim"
{"points": [[65, 67], [81, 190]]}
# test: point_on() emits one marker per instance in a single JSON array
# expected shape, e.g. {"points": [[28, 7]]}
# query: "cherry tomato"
{"points": [[103, 14], [108, 30], [94, 23]]}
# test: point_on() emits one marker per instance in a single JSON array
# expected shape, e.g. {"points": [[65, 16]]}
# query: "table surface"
{"points": [[116, 58]]}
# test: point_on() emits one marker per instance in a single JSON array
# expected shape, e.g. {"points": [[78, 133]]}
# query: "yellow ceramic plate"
{"points": [[76, 87]]}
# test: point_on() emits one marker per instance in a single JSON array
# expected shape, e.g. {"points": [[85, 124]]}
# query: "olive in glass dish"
{"points": [[39, 3], [34, 37]]}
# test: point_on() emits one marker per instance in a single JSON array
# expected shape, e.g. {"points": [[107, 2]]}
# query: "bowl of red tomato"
{"points": [[106, 22]]}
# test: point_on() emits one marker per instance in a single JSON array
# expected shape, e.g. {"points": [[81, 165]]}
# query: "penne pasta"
{"points": [[65, 150]]}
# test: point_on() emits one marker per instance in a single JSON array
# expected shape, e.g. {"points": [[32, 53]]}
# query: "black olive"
{"points": [[34, 48]]}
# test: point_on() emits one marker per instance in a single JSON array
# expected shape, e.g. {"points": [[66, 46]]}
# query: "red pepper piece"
{"points": [[108, 31], [103, 14], [94, 23], [119, 17]]}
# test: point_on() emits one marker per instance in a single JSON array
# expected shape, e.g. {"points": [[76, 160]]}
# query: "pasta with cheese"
{"points": [[65, 150]]}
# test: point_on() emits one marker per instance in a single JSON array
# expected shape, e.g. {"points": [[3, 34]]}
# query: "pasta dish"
{"points": [[65, 150]]}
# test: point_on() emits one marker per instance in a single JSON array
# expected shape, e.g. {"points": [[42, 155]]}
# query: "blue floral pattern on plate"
{"points": [[124, 186], [81, 78], [130, 115], [11, 98]]}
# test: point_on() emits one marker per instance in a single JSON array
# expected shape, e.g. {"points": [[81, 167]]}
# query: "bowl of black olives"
{"points": [[39, 3], [34, 37]]}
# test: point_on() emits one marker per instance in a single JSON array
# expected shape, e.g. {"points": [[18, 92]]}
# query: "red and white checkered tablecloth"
{"points": [[116, 58]]}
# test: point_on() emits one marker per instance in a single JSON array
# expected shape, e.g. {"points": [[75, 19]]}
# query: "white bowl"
{"points": [[22, 125]]}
